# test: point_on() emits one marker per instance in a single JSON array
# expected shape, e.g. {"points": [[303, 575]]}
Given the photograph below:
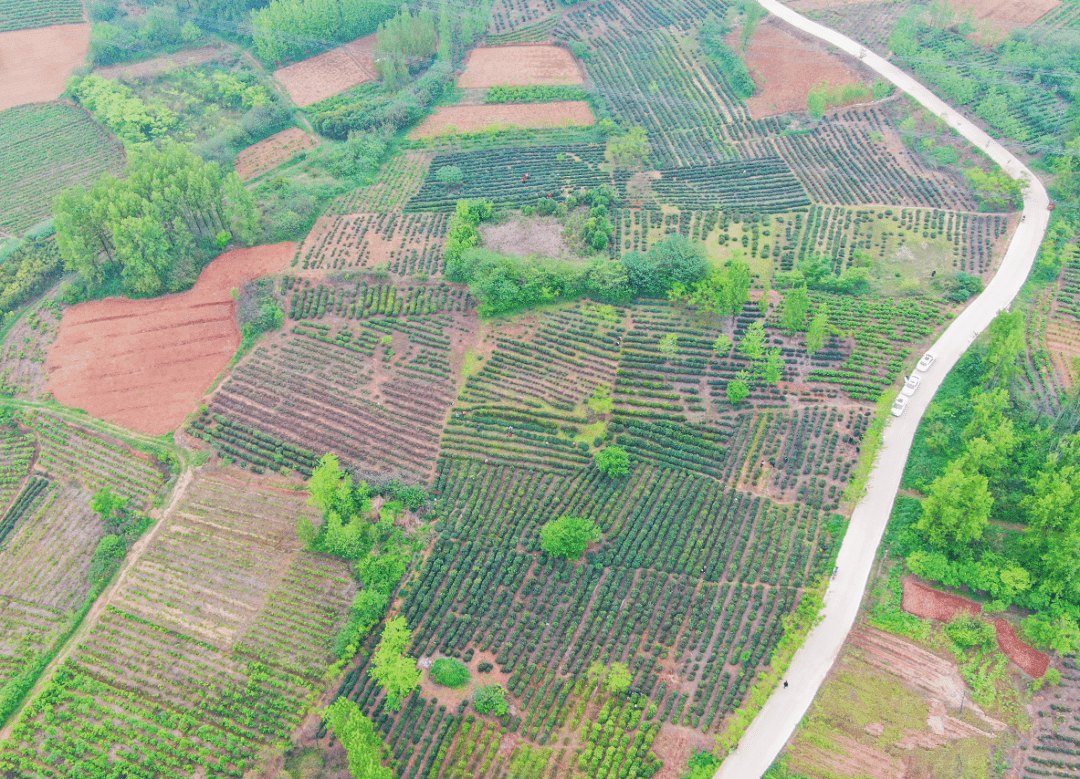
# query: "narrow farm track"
{"points": [[781, 714], [102, 602]]}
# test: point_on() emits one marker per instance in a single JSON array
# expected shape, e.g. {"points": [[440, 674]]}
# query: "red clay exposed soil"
{"points": [[786, 67], [928, 603], [144, 363], [472, 118], [1007, 13], [326, 75], [35, 64], [153, 67], [520, 66], [1031, 660]]}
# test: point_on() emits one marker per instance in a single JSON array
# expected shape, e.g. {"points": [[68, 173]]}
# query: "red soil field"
{"points": [[786, 67], [928, 603], [326, 75], [472, 118], [35, 64], [1007, 13], [144, 363], [270, 152], [1031, 660], [520, 66]]}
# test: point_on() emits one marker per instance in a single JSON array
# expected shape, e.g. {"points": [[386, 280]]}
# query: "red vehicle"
{"points": [[1051, 205]]}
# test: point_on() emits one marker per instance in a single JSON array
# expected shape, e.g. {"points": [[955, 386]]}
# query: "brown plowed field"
{"points": [[1007, 13], [786, 67], [928, 603], [144, 363], [35, 64], [472, 118], [520, 66], [1031, 660], [270, 152], [326, 75]]}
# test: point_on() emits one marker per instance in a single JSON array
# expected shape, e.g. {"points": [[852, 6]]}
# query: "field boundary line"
{"points": [[777, 720], [102, 602]]}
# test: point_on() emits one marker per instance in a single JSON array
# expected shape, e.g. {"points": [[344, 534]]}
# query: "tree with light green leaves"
{"points": [[613, 461], [364, 747], [957, 510], [753, 342], [568, 537], [796, 308], [815, 334], [738, 389], [395, 671]]}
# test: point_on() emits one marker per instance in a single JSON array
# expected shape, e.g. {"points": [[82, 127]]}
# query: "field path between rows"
{"points": [[103, 600], [776, 722]]}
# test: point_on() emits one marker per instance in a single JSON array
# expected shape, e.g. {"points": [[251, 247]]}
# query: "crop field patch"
{"points": [[271, 152], [1062, 335], [24, 348], [519, 66], [331, 73], [508, 16], [368, 372], [216, 650], [403, 244], [28, 14], [43, 150], [1007, 13], [35, 63], [144, 363], [400, 178], [463, 119]]}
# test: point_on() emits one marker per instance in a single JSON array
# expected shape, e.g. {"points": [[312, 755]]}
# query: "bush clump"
{"points": [[448, 672], [491, 700]]}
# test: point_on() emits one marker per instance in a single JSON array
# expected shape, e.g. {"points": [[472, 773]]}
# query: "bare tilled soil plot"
{"points": [[276, 150], [325, 75], [473, 118], [786, 66], [1007, 13], [35, 64], [214, 643], [1031, 660], [520, 66], [401, 243], [144, 363], [928, 603]]}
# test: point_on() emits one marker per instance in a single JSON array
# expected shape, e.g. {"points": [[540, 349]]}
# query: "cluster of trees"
{"points": [[294, 29], [350, 530], [25, 272], [983, 455], [995, 190], [630, 150], [117, 36], [723, 291], [122, 527], [612, 461], [711, 36], [403, 44], [117, 107], [364, 747], [148, 233], [817, 273], [568, 537], [822, 96], [385, 113]]}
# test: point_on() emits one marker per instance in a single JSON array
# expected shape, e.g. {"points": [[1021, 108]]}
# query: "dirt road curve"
{"points": [[776, 722]]}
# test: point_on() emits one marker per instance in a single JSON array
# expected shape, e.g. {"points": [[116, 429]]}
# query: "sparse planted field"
{"points": [[450, 120], [403, 244], [326, 75], [272, 152], [44, 149]]}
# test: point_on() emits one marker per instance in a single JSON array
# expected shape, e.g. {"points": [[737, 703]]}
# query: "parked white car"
{"points": [[926, 361], [911, 385], [899, 405]]}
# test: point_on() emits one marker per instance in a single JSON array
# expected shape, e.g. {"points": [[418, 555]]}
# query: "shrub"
{"points": [[491, 700], [449, 672], [968, 631], [613, 461], [568, 537]]}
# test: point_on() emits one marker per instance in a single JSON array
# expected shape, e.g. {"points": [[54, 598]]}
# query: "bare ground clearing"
{"points": [[35, 64], [270, 152], [326, 75], [473, 118], [520, 66]]}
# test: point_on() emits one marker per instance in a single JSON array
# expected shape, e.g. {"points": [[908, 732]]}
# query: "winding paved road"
{"points": [[780, 716]]}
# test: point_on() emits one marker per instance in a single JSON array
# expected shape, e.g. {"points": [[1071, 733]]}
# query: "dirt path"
{"points": [[104, 599], [774, 725]]}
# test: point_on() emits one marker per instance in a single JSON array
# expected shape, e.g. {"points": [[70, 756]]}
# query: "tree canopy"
{"points": [[395, 671], [612, 461], [150, 230], [568, 537], [363, 745]]}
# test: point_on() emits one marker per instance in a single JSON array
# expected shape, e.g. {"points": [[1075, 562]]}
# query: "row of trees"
{"points": [[404, 43], [293, 29], [147, 233], [984, 455]]}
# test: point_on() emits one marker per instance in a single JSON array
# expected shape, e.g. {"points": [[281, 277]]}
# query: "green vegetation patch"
{"points": [[45, 148], [450, 672]]}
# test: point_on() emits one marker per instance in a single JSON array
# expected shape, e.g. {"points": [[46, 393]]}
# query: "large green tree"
{"points": [[394, 670], [568, 537], [363, 745], [796, 309], [957, 510]]}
